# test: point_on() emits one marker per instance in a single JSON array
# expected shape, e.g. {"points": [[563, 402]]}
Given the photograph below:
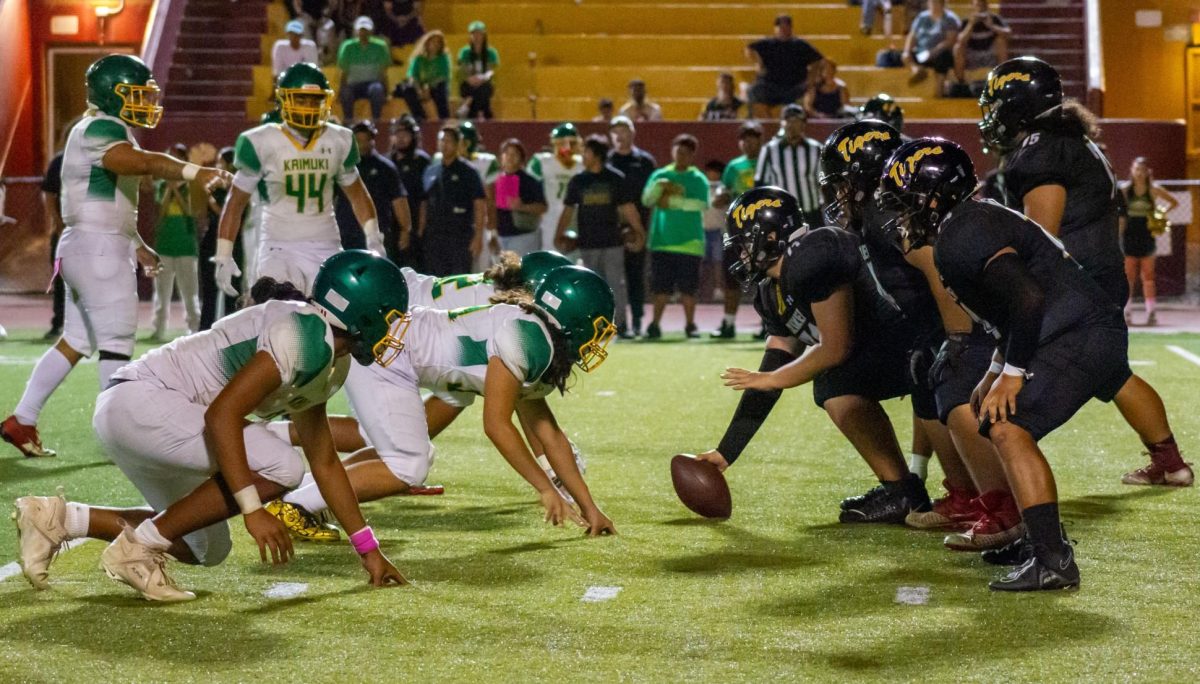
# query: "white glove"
{"points": [[226, 268], [374, 238]]}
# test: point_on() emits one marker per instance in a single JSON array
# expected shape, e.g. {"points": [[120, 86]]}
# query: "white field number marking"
{"points": [[912, 596], [598, 594], [285, 590]]}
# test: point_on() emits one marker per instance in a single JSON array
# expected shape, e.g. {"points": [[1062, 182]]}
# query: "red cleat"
{"points": [[25, 438], [1155, 474], [425, 490], [999, 524], [956, 510]]}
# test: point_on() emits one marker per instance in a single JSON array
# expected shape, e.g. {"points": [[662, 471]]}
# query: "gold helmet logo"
{"points": [[849, 146], [746, 212], [901, 170], [997, 82]]}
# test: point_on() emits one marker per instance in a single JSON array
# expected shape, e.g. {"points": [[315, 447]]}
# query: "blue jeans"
{"points": [[868, 11], [370, 90]]}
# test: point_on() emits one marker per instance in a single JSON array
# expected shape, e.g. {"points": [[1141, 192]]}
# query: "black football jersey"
{"points": [[975, 231], [816, 263], [1089, 224], [903, 281]]}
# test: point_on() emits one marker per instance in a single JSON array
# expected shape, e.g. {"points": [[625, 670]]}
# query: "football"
{"points": [[701, 487]]}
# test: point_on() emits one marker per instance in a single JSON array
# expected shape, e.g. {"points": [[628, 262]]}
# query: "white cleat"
{"points": [[41, 531], [130, 562]]}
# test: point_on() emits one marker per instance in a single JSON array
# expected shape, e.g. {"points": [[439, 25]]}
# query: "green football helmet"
{"points": [[122, 86], [305, 98], [535, 266], [468, 137], [366, 296], [581, 304], [564, 130]]}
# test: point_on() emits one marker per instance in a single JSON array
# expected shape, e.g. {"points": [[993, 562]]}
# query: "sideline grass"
{"points": [[781, 591]]}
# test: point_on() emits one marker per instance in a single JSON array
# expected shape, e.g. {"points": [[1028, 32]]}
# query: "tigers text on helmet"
{"points": [[756, 229], [305, 99], [922, 181], [535, 266], [366, 296], [581, 304], [1017, 93], [883, 108], [851, 164], [122, 86]]}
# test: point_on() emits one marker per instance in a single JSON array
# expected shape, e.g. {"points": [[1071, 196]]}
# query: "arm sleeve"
{"points": [[651, 192], [297, 344], [752, 409], [1008, 280]]}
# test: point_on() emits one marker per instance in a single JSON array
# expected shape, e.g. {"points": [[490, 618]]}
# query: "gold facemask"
{"points": [[139, 103], [593, 353], [298, 113], [388, 349]]}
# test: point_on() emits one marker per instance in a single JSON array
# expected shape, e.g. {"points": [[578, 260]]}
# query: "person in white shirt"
{"points": [[293, 49]]}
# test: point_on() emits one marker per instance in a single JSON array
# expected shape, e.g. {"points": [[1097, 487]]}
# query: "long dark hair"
{"points": [[558, 374], [266, 289], [1073, 119], [505, 274], [482, 54]]}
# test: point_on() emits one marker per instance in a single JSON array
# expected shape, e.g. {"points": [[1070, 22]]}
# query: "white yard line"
{"points": [[1185, 354], [14, 568]]}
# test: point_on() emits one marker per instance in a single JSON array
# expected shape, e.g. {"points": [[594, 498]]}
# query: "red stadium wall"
{"points": [[16, 89]]}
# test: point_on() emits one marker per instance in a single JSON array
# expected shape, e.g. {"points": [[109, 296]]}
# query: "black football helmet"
{"points": [[851, 164], [757, 227], [1017, 93], [883, 108], [922, 181]]}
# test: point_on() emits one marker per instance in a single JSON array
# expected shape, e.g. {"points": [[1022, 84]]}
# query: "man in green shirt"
{"points": [[679, 194], [178, 251], [738, 178], [364, 61]]}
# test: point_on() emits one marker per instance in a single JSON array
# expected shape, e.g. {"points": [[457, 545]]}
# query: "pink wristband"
{"points": [[364, 541]]}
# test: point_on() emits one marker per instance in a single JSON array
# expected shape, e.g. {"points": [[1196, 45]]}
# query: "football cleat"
{"points": [[1155, 474], [653, 332], [956, 510], [890, 506], [725, 332], [1042, 573], [861, 499], [41, 532], [130, 562], [301, 524], [999, 524], [25, 438], [424, 490]]}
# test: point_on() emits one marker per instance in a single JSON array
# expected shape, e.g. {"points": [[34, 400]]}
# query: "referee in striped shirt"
{"points": [[792, 161]]}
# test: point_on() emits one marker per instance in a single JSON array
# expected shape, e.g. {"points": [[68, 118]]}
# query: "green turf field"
{"points": [[780, 591]]}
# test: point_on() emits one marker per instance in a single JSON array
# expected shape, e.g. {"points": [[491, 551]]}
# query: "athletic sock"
{"points": [[308, 497], [1044, 529], [77, 518], [1151, 304], [729, 320], [47, 375], [919, 464], [1165, 454], [147, 534], [107, 367]]}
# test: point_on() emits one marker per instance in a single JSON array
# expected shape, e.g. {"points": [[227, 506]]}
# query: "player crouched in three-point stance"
{"points": [[175, 424], [1062, 340], [816, 290], [102, 166], [511, 354], [293, 166]]}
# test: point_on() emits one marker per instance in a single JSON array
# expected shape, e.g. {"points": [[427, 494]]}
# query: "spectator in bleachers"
{"points": [[600, 199], [872, 7], [793, 162], [293, 49], [364, 60], [177, 248], [477, 62], [519, 201], [428, 76], [638, 108], [982, 43], [724, 106], [399, 20], [679, 194], [453, 212], [783, 62], [827, 96], [604, 110], [637, 165], [930, 44], [411, 162]]}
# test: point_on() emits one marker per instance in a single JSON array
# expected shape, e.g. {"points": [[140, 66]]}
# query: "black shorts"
{"points": [[671, 271], [1067, 372], [941, 63], [875, 371], [961, 372], [1137, 240]]}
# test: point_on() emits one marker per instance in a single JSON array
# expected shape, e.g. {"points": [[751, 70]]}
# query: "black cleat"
{"points": [[725, 332], [861, 499], [653, 332], [1016, 552], [1050, 572], [690, 331]]}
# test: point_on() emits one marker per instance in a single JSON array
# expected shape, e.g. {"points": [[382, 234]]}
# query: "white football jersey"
{"points": [[554, 175], [94, 199], [450, 292], [295, 335], [449, 350], [297, 178]]}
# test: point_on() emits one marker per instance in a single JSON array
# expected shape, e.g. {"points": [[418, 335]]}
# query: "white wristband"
{"points": [[371, 229], [1010, 369], [996, 368], [247, 499], [190, 170], [224, 248]]}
